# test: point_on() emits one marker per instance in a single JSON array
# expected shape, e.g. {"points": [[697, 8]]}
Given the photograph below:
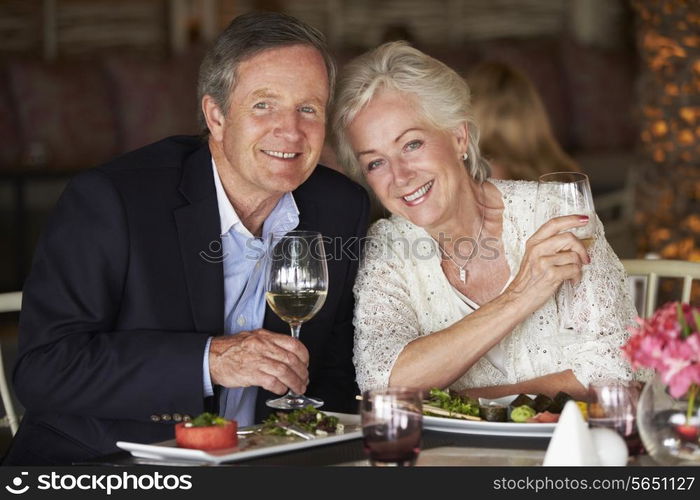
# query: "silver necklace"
{"points": [[463, 273]]}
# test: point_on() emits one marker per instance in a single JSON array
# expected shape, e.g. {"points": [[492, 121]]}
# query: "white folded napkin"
{"points": [[611, 448], [571, 443]]}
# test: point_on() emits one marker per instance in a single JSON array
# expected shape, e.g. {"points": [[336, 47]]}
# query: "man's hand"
{"points": [[259, 358]]}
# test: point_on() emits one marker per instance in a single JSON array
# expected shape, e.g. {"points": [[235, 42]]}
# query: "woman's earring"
{"points": [[465, 156]]}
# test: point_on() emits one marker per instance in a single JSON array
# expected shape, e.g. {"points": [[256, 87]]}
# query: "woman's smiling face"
{"points": [[413, 168]]}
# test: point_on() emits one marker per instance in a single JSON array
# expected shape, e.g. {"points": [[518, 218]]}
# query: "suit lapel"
{"points": [[308, 214], [199, 228]]}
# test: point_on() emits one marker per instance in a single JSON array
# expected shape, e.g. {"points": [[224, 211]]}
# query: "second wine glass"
{"points": [[566, 193], [296, 288]]}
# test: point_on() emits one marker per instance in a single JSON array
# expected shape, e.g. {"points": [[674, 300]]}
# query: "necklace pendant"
{"points": [[463, 275]]}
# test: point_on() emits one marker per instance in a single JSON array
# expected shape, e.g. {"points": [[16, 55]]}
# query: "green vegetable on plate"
{"points": [[522, 413], [308, 419], [453, 402], [207, 419]]}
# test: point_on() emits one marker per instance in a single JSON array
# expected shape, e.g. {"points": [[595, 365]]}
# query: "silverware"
{"points": [[251, 429], [293, 429], [290, 428]]}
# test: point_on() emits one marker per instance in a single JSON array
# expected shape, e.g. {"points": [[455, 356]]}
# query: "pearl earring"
{"points": [[465, 156]]}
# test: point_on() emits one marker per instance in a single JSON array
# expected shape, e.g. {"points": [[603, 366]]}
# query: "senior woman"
{"points": [[433, 309]]}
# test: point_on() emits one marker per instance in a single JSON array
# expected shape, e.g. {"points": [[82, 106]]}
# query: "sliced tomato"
{"points": [[544, 417], [211, 437]]}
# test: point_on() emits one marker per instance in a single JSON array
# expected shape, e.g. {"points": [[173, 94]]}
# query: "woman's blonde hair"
{"points": [[515, 130], [441, 94]]}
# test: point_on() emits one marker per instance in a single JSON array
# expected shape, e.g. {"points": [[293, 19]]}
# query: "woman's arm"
{"points": [[438, 359], [601, 312], [549, 384]]}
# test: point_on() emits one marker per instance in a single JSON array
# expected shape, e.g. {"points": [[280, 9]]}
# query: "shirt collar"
{"points": [[284, 217]]}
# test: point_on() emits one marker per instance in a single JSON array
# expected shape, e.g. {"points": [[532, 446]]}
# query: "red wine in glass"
{"points": [[400, 450], [625, 427], [392, 423], [614, 405]]}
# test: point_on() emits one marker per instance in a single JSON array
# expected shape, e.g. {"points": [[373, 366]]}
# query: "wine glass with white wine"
{"points": [[296, 288], [566, 193]]}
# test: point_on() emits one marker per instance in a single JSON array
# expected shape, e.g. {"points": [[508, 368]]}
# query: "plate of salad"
{"points": [[525, 415], [270, 437]]}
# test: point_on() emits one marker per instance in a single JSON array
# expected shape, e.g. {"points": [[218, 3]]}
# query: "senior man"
{"points": [[145, 305]]}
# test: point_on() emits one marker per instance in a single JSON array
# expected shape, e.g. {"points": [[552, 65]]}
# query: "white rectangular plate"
{"points": [[249, 445], [483, 427]]}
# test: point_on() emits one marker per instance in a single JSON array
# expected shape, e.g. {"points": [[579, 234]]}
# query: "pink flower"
{"points": [[651, 352], [680, 381], [668, 343]]}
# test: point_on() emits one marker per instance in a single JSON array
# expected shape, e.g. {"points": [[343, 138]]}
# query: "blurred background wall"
{"points": [[84, 80]]}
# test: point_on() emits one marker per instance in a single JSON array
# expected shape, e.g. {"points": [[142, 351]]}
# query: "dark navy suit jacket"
{"points": [[125, 288]]}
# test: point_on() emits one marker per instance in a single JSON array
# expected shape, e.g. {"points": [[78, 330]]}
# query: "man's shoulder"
{"points": [[153, 168], [168, 153]]}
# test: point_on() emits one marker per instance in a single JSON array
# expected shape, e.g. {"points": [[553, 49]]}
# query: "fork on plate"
{"points": [[297, 431]]}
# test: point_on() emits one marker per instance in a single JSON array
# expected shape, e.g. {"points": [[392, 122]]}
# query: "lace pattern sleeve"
{"points": [[601, 310], [385, 320]]}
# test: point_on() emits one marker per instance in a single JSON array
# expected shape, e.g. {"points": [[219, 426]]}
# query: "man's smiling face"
{"points": [[273, 132]]}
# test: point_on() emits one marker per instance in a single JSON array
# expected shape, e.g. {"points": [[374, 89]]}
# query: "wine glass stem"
{"points": [[567, 302], [566, 291], [295, 328]]}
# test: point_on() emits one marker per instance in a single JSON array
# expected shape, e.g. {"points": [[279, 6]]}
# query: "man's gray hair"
{"points": [[248, 35], [442, 95]]}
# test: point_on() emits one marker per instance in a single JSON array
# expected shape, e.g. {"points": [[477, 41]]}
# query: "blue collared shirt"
{"points": [[244, 287]]}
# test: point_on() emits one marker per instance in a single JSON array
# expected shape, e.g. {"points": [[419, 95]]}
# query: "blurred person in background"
{"points": [[515, 132]]}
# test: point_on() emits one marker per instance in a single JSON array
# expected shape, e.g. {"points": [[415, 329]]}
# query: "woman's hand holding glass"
{"points": [[566, 193], [553, 255]]}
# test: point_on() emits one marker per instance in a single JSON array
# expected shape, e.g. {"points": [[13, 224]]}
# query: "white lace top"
{"points": [[402, 293]]}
